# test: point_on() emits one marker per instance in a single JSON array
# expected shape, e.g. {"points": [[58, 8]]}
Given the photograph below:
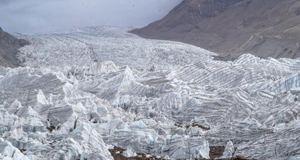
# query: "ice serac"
{"points": [[232, 27], [83, 143], [84, 92], [229, 150], [8, 151]]}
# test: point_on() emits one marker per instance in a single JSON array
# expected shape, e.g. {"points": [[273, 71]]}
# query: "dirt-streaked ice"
{"points": [[84, 91]]}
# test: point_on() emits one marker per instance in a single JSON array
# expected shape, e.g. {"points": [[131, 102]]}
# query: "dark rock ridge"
{"points": [[265, 28], [9, 46]]}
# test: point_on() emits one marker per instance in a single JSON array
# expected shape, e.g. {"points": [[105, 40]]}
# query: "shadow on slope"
{"points": [[9, 46], [233, 27]]}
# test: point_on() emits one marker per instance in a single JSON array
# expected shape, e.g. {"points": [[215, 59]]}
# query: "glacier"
{"points": [[80, 93]]}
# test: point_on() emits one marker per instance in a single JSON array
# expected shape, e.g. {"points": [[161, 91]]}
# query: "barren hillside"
{"points": [[9, 46], [268, 28]]}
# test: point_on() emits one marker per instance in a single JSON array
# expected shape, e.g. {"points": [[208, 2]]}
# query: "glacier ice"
{"points": [[81, 92]]}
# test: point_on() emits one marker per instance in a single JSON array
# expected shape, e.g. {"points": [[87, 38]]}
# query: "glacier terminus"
{"points": [[79, 94]]}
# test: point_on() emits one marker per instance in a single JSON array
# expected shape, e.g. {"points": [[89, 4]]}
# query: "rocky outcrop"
{"points": [[233, 27], [9, 46]]}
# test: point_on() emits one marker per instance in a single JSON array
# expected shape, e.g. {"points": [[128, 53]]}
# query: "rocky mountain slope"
{"points": [[101, 93], [9, 46], [265, 28]]}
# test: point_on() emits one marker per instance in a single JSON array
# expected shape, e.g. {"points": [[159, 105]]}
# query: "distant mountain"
{"points": [[265, 28], [9, 46]]}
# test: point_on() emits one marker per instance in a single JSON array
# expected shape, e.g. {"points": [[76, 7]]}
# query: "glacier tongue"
{"points": [[82, 92]]}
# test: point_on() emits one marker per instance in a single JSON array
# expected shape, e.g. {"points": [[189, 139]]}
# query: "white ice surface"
{"points": [[82, 92]]}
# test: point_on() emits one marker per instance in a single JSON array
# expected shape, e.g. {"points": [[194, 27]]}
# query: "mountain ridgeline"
{"points": [[9, 46], [265, 28]]}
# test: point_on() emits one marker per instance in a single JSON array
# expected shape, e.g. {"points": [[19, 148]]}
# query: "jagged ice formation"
{"points": [[82, 92]]}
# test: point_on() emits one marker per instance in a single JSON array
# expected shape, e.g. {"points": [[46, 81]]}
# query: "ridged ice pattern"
{"points": [[82, 92]]}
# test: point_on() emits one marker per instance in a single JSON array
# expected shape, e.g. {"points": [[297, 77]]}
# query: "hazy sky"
{"points": [[34, 16]]}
